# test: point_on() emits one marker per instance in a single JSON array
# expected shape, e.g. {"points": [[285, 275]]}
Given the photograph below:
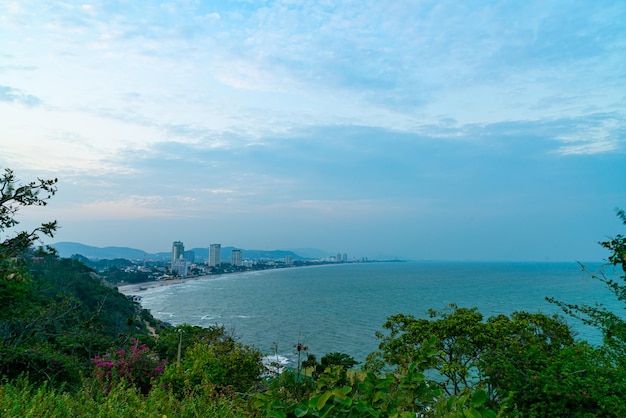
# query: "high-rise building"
{"points": [[215, 255], [178, 249], [236, 258], [180, 267]]}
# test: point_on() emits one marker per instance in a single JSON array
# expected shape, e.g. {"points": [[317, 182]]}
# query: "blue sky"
{"points": [[470, 130]]}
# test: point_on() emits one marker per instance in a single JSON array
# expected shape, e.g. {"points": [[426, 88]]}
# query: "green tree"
{"points": [[69, 315], [14, 289], [13, 196], [461, 335], [186, 336], [342, 361], [612, 325], [471, 352], [220, 366], [523, 345], [401, 394]]}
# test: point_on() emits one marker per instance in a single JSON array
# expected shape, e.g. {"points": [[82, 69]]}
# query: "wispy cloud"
{"points": [[9, 94], [595, 135]]}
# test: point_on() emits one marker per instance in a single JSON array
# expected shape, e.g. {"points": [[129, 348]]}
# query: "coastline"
{"points": [[136, 288]]}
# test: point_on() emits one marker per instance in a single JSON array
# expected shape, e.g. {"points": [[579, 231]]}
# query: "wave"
{"points": [[275, 364]]}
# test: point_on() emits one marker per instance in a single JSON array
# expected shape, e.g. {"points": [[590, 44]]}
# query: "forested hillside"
{"points": [[59, 314]]}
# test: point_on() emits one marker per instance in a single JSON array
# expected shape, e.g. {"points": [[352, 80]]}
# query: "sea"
{"points": [[340, 307]]}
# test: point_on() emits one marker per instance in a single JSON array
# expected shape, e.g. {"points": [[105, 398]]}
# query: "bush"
{"points": [[137, 367], [224, 367]]}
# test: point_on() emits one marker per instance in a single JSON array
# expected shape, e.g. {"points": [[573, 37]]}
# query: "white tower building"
{"points": [[215, 255], [178, 249], [236, 258]]}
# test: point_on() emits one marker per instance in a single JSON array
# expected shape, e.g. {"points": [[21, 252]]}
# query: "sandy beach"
{"points": [[133, 289]]}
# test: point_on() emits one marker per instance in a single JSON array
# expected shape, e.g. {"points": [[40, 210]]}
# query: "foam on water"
{"points": [[275, 364]]}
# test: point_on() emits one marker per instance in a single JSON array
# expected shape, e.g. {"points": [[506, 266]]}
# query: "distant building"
{"points": [[180, 266], [215, 255], [344, 258], [190, 256], [178, 249], [236, 258], [338, 258], [288, 260]]}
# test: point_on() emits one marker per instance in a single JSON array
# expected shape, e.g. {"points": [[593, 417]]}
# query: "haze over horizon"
{"points": [[437, 130]]}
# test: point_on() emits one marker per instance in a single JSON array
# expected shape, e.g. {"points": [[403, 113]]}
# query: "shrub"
{"points": [[136, 366]]}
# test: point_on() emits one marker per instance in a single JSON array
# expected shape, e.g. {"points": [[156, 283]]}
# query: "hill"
{"points": [[68, 249], [58, 318]]}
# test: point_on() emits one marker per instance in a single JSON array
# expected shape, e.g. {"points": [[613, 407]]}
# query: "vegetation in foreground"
{"points": [[71, 345]]}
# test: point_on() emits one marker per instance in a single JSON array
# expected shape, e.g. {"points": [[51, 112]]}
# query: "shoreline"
{"points": [[135, 288]]}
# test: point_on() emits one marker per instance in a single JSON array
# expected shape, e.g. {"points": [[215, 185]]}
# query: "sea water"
{"points": [[340, 307]]}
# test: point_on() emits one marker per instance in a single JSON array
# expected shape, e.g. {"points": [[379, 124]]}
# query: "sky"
{"points": [[426, 130]]}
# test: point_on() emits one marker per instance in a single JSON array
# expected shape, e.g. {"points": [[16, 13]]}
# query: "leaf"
{"points": [[487, 413], [378, 395], [339, 393], [471, 413], [301, 412], [321, 402], [478, 398]]}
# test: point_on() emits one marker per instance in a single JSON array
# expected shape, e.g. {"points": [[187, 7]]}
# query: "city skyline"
{"points": [[431, 130]]}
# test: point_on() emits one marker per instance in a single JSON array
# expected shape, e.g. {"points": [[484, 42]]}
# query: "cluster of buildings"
{"points": [[182, 260]]}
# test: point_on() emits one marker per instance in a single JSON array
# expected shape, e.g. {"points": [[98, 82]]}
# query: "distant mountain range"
{"points": [[68, 249]]}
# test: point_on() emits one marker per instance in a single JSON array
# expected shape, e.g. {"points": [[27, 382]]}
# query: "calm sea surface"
{"points": [[340, 307]]}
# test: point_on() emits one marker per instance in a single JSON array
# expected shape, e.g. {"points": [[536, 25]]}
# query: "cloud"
{"points": [[315, 112], [12, 95], [594, 135], [131, 207]]}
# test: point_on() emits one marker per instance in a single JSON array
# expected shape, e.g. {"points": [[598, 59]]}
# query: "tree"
{"points": [[460, 336], [19, 319], [471, 352], [330, 360], [13, 196], [223, 366], [186, 336], [613, 326], [56, 313], [520, 349]]}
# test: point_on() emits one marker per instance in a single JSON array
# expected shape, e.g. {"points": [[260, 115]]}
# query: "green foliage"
{"points": [[505, 356], [223, 365], [335, 358], [136, 366], [13, 196], [460, 335], [188, 336], [59, 319], [612, 325], [56, 313], [330, 360], [579, 381], [210, 357], [23, 399], [468, 405], [519, 346], [408, 394]]}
